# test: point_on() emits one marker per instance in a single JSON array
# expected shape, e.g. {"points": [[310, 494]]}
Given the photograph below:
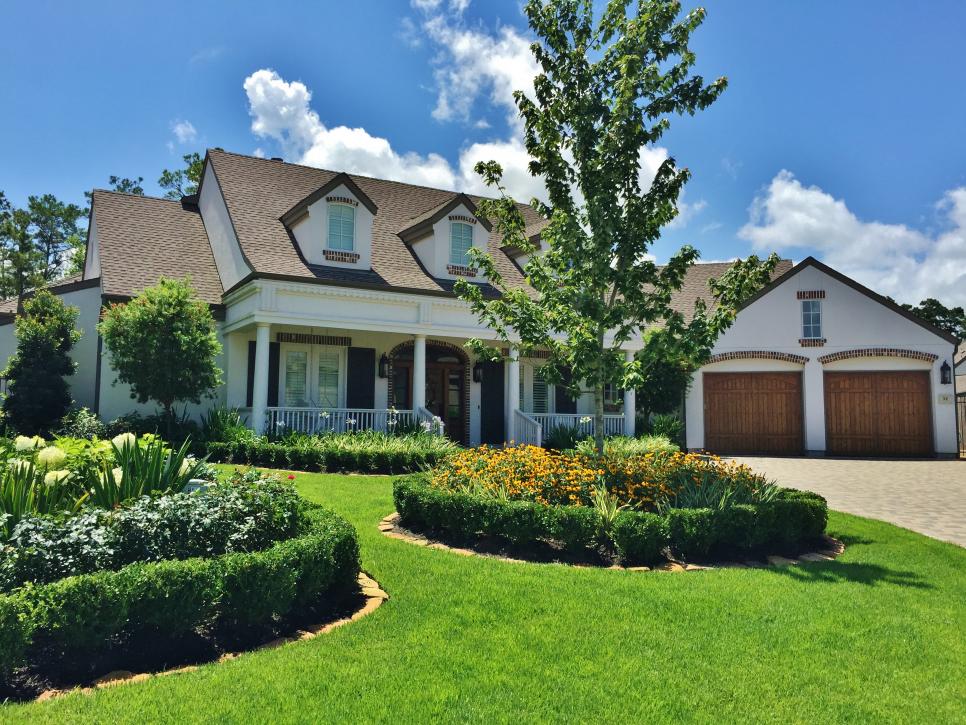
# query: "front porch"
{"points": [[316, 380]]}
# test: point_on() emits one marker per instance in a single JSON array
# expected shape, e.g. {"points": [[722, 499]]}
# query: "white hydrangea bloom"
{"points": [[118, 474], [124, 439], [28, 443], [54, 477], [19, 465], [51, 457]]}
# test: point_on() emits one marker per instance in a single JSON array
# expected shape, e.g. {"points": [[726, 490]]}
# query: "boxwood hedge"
{"points": [[73, 617], [318, 459], [790, 521]]}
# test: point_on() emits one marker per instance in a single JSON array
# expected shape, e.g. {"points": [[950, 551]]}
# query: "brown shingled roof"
{"points": [[141, 239], [697, 284], [258, 192]]}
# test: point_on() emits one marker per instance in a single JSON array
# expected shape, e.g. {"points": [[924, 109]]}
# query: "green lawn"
{"points": [[877, 635]]}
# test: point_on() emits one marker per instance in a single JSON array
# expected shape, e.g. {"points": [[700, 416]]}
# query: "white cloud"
{"points": [[184, 131], [892, 259], [206, 55]]}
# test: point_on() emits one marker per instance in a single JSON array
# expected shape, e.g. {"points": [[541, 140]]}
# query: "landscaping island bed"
{"points": [[164, 578], [632, 511]]}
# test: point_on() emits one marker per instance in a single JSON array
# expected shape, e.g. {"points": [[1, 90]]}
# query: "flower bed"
{"points": [[637, 510], [363, 452], [262, 561]]}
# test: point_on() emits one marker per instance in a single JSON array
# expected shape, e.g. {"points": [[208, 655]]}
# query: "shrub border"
{"points": [[371, 590], [79, 613], [316, 460], [791, 522]]}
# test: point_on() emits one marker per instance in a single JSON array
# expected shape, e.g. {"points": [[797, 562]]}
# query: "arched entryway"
{"points": [[447, 384]]}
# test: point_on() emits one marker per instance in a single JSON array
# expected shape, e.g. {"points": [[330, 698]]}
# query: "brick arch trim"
{"points": [[455, 349], [878, 352], [758, 355]]}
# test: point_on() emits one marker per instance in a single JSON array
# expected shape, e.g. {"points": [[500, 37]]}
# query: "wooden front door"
{"points": [[753, 412], [883, 413], [444, 396]]}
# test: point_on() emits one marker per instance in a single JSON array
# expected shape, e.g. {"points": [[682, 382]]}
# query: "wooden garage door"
{"points": [[753, 412], [878, 413]]}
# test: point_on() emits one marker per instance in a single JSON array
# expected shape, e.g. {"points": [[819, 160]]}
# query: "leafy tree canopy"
{"points": [[947, 319], [185, 181], [163, 344], [606, 91], [38, 395]]}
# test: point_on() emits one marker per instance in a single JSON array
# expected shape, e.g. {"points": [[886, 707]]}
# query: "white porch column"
{"points": [[513, 392], [419, 372], [260, 382], [630, 402]]}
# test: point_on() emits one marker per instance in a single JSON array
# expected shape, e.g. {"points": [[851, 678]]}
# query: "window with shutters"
{"points": [[541, 395], [296, 378], [329, 364], [536, 393]]}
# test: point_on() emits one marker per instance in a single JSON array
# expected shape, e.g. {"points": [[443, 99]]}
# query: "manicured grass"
{"points": [[874, 636]]}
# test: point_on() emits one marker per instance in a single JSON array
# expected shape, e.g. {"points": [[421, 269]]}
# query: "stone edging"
{"points": [[834, 548], [371, 590]]}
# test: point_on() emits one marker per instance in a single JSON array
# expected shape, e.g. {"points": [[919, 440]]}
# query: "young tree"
{"points": [[606, 92], [20, 259], [38, 396], [163, 344], [183, 182]]}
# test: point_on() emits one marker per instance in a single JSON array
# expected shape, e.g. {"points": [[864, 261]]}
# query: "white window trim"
{"points": [[821, 321], [328, 223], [466, 260], [313, 370]]}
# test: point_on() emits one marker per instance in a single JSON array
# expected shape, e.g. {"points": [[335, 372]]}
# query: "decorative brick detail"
{"points": [[758, 355], [341, 200], [305, 338], [461, 270], [815, 294], [462, 218], [338, 255], [812, 341], [878, 352]]}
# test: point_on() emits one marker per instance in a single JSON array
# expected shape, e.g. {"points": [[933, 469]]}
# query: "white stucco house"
{"points": [[818, 363], [333, 295]]}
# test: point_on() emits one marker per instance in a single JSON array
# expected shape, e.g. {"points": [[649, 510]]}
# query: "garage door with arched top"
{"points": [[882, 413], [753, 412]]}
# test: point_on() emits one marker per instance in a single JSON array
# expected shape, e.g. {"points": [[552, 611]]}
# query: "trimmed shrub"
{"points": [[639, 537], [364, 452], [788, 521], [80, 615]]}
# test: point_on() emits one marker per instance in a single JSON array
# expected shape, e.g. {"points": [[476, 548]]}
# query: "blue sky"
{"points": [[841, 134]]}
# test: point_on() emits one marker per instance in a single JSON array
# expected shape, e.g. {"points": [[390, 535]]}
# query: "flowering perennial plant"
{"points": [[651, 482]]}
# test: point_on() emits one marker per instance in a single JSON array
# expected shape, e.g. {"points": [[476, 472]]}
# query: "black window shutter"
{"points": [[250, 390], [562, 400], [361, 378], [273, 355]]}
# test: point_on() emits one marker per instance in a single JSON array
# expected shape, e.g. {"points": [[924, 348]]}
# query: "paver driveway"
{"points": [[925, 496]]}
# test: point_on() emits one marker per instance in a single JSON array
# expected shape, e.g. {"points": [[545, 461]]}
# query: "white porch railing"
{"points": [[432, 423], [336, 420], [526, 430], [613, 423]]}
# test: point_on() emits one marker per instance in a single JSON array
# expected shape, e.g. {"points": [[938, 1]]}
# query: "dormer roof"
{"points": [[298, 211], [422, 224]]}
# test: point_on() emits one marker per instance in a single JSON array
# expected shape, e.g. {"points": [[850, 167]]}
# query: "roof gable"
{"points": [[423, 224], [849, 282], [341, 179]]}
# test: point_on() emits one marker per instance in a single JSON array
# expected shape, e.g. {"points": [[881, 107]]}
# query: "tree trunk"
{"points": [[599, 418]]}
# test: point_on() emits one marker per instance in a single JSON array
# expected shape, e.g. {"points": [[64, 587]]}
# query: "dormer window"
{"points": [[461, 239], [342, 225]]}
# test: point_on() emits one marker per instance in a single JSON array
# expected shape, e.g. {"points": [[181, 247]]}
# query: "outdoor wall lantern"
{"points": [[945, 373], [384, 366], [478, 372]]}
